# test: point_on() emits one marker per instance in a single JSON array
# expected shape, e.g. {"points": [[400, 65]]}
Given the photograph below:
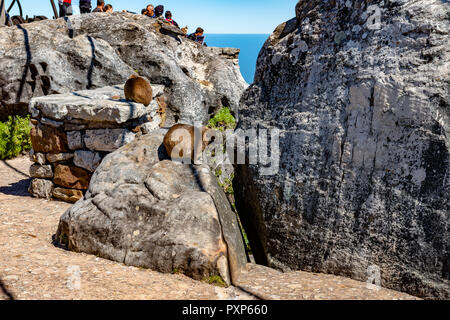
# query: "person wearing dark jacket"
{"points": [[100, 6], [159, 11], [198, 36], [85, 6]]}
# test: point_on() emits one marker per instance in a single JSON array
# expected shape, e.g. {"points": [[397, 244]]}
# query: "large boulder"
{"points": [[146, 211], [360, 93], [96, 50]]}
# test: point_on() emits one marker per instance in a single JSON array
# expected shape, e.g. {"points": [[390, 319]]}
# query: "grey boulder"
{"points": [[97, 50], [363, 110], [144, 210]]}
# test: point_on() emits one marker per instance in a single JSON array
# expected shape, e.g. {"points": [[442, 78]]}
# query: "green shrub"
{"points": [[223, 120], [14, 137]]}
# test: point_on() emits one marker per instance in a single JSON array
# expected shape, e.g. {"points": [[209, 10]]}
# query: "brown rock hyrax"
{"points": [[139, 90], [179, 141]]}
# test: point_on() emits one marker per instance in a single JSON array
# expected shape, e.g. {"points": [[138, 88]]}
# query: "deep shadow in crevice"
{"points": [[197, 178], [27, 64], [5, 291], [91, 67]]}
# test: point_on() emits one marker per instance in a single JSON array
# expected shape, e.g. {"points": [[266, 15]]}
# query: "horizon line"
{"points": [[238, 33]]}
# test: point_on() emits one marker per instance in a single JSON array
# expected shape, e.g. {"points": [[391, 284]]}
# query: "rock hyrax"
{"points": [[179, 141], [138, 89]]}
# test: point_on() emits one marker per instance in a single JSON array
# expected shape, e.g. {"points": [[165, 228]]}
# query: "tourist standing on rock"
{"points": [[159, 11], [85, 6], [100, 6], [169, 19], [65, 8], [198, 36]]}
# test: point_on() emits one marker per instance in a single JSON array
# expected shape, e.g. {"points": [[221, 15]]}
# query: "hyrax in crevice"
{"points": [[139, 90], [179, 141]]}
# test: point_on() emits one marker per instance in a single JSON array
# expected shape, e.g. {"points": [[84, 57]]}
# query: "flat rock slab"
{"points": [[107, 104], [269, 284]]}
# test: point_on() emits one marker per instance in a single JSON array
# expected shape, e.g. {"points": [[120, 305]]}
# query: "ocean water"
{"points": [[250, 45]]}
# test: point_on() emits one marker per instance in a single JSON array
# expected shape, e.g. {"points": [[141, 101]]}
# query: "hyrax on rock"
{"points": [[139, 90], [179, 141]]}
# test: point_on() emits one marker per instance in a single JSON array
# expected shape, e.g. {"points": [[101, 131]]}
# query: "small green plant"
{"points": [[227, 185], [223, 120], [176, 271], [14, 136], [216, 281]]}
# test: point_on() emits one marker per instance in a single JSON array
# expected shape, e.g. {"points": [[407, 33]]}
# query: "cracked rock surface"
{"points": [[97, 50], [146, 211], [363, 111]]}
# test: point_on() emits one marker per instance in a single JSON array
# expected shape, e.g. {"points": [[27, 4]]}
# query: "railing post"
{"points": [[2, 12]]}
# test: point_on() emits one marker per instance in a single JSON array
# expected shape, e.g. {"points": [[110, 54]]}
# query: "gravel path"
{"points": [[32, 268]]}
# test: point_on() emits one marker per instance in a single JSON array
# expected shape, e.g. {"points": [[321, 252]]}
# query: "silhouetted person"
{"points": [[100, 6], [85, 6], [159, 11]]}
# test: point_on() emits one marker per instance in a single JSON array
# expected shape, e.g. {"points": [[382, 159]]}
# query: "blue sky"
{"points": [[215, 16]]}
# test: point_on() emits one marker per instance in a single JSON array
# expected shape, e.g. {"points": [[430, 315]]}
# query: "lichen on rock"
{"points": [[363, 109]]}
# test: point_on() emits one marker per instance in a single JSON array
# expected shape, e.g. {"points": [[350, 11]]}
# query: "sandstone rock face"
{"points": [[97, 50], [146, 211], [67, 195], [363, 109], [59, 157], [72, 177], [47, 139]]}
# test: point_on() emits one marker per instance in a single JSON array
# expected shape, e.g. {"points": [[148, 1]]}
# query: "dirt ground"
{"points": [[31, 267]]}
